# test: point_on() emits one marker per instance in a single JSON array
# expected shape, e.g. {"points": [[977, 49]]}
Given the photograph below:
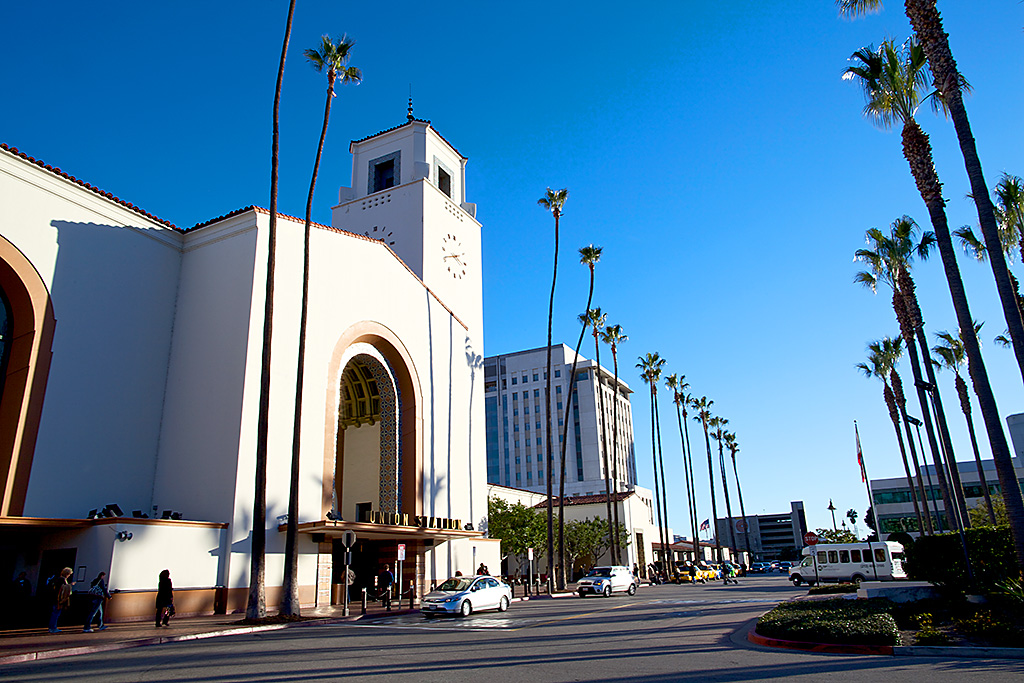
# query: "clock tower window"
{"points": [[385, 172], [444, 181]]}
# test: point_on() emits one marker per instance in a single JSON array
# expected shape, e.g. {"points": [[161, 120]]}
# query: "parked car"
{"points": [[464, 595], [760, 567], [703, 573], [785, 566], [607, 580]]}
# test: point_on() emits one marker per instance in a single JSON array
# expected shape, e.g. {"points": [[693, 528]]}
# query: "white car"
{"points": [[607, 580], [464, 595]]}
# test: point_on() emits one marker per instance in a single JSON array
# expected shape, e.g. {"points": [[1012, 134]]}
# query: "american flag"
{"points": [[705, 525]]}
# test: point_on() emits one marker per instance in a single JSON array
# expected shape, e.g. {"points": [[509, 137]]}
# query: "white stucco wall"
{"points": [[112, 275]]}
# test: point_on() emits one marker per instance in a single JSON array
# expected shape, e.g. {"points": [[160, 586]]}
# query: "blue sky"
{"points": [[710, 148]]}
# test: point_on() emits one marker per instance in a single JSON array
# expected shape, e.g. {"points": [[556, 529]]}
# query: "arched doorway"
{"points": [[24, 367], [368, 462]]}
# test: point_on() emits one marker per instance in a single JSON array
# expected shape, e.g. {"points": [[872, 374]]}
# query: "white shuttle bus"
{"points": [[853, 562]]}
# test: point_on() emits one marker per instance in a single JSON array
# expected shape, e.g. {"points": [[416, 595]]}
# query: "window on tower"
{"points": [[444, 181], [384, 175]]}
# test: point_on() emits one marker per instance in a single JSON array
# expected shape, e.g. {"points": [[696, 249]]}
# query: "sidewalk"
{"points": [[29, 644]]}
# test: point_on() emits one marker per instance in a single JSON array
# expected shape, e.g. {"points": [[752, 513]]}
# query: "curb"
{"points": [[162, 640], [830, 648], [961, 652]]}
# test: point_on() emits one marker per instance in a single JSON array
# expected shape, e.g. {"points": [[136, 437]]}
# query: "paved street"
{"points": [[664, 633]]}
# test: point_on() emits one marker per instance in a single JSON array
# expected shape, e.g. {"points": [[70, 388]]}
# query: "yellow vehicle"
{"points": [[703, 573]]}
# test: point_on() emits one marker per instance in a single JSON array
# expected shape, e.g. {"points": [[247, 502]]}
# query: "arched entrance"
{"points": [[368, 460], [24, 367]]}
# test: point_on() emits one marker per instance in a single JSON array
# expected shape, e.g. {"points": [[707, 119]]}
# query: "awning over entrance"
{"points": [[369, 530]]}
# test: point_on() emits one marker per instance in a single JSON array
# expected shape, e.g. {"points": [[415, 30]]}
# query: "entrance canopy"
{"points": [[369, 530]]}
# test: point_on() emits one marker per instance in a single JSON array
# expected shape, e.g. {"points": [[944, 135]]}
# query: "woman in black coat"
{"points": [[164, 599]]}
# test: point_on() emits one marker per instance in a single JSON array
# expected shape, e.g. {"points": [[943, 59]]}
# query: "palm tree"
{"points": [[882, 357], [553, 201], [895, 85], [613, 336], [650, 366], [256, 605], [719, 435], [901, 402], [690, 483], [589, 256], [702, 414], [596, 320], [889, 258], [734, 448], [333, 57], [894, 90], [927, 23], [951, 354], [678, 386]]}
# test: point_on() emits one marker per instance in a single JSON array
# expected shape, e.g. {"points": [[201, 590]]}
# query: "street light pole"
{"points": [[832, 508]]}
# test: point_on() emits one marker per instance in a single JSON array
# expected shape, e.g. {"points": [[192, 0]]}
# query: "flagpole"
{"points": [[871, 500]]}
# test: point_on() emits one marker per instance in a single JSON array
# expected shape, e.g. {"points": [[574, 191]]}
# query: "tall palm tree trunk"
{"points": [[743, 511], [714, 505], [692, 486], [618, 559], [612, 532], [256, 606], [901, 403], [547, 408], [671, 570], [924, 17], [955, 485], [917, 149], [728, 505], [890, 402], [290, 603], [686, 472], [899, 302], [565, 436], [965, 405], [657, 494]]}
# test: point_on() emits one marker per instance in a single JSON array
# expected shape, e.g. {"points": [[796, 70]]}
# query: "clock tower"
{"points": [[409, 191]]}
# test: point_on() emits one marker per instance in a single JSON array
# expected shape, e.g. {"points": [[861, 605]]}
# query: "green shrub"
{"points": [[940, 558], [854, 622]]}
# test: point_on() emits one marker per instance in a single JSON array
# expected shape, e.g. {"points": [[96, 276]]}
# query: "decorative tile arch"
{"points": [[385, 347]]}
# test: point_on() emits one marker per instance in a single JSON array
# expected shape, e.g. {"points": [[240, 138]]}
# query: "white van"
{"points": [[854, 562]]}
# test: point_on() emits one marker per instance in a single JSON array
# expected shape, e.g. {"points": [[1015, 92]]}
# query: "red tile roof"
{"points": [[426, 121], [68, 176]]}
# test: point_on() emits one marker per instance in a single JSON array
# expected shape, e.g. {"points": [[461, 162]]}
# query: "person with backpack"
{"points": [[385, 580], [99, 594], [60, 596], [164, 599]]}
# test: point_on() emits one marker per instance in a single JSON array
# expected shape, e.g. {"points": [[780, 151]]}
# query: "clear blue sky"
{"points": [[710, 148]]}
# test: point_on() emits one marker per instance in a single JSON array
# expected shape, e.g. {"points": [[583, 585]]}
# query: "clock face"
{"points": [[454, 256], [381, 233]]}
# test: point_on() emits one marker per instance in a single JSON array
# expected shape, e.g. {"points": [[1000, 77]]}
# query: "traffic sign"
{"points": [[401, 552], [810, 538], [348, 538], [529, 553]]}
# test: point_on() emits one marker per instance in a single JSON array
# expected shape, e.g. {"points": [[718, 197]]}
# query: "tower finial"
{"points": [[409, 115]]}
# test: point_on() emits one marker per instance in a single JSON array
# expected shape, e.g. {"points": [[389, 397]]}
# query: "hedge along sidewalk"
{"points": [[834, 621]]}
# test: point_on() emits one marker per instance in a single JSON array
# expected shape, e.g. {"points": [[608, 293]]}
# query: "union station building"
{"points": [[130, 365]]}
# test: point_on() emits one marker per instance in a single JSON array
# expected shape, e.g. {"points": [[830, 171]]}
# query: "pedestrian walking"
{"points": [[99, 594], [60, 596], [164, 599], [385, 581], [482, 570]]}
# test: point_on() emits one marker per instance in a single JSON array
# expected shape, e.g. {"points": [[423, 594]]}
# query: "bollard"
{"points": [[412, 592], [364, 601]]}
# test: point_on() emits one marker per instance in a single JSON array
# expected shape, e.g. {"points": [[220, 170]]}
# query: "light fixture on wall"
{"points": [[334, 516], [94, 513], [139, 514], [469, 526], [112, 510], [124, 536]]}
